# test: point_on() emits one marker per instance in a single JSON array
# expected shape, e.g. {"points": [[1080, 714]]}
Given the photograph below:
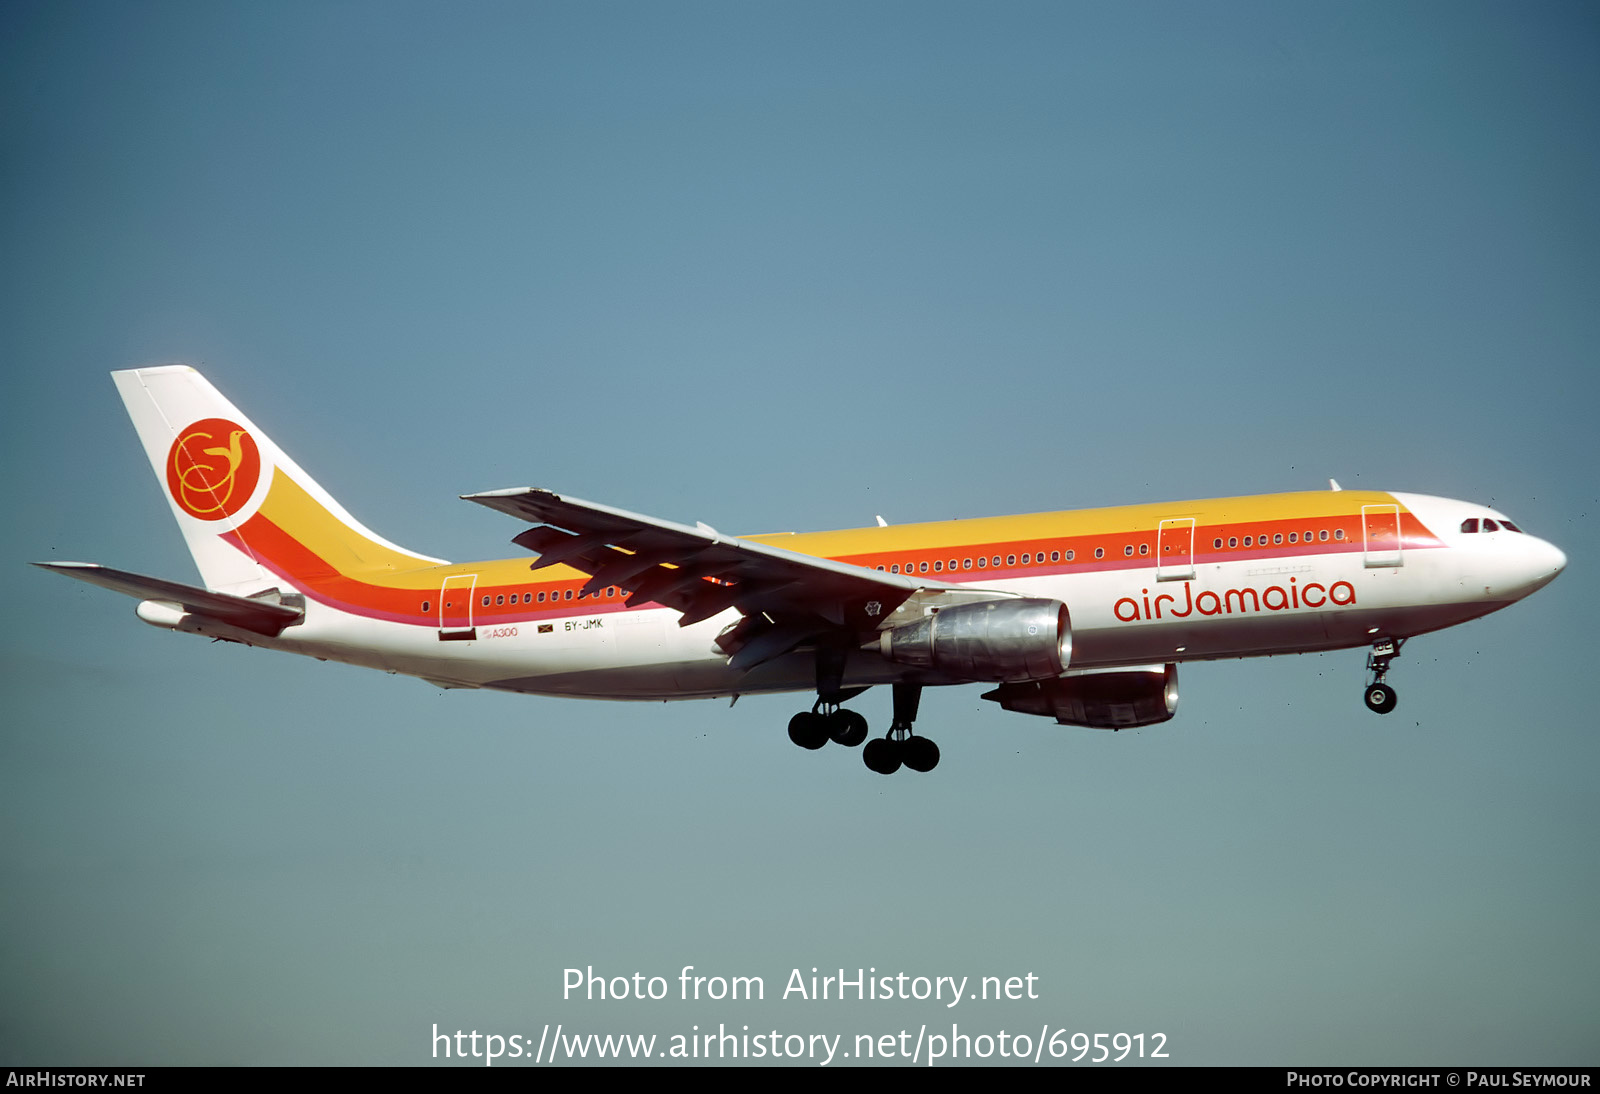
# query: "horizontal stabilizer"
{"points": [[261, 616]]}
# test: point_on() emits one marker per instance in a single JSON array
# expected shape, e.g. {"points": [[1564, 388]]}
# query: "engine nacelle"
{"points": [[999, 640], [1113, 699]]}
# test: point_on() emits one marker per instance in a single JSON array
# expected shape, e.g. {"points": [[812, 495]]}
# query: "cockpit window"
{"points": [[1470, 524], [1508, 526], [1489, 525]]}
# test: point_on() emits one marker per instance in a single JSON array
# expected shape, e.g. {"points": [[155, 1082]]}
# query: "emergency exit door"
{"points": [[455, 608], [1380, 532], [1175, 549]]}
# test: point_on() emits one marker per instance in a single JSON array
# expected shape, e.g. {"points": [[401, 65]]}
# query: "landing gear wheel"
{"points": [[847, 728], [919, 753], [1381, 698], [882, 755], [808, 730], [900, 746]]}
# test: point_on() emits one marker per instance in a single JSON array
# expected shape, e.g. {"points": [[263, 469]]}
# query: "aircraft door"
{"points": [[1175, 549], [1380, 532], [455, 608]]}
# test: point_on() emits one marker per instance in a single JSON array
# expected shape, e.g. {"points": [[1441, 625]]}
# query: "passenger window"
{"points": [[1127, 551], [1277, 539], [425, 607], [895, 568], [1294, 537], [485, 602], [1011, 560], [1217, 543], [1055, 556], [1323, 535], [966, 564], [569, 594], [1026, 559], [1144, 548], [982, 562], [1247, 540], [1099, 552], [923, 568], [938, 567], [995, 561], [1070, 555], [1233, 541], [1338, 533]]}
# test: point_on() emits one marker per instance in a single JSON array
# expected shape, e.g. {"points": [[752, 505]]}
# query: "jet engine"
{"points": [[1110, 699], [998, 640]]}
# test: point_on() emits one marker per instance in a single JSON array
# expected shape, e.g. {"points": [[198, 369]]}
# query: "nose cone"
{"points": [[1556, 560], [1539, 564]]}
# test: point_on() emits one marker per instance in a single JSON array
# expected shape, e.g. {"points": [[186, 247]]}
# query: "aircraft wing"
{"points": [[260, 616], [787, 597]]}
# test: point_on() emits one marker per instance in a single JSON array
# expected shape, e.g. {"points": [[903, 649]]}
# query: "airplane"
{"points": [[1082, 616]]}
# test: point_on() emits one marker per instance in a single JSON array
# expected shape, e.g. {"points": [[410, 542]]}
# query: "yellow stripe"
{"points": [[296, 512], [354, 555], [1076, 522]]}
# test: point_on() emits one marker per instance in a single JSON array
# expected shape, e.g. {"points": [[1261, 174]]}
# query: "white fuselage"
{"points": [[1119, 617]]}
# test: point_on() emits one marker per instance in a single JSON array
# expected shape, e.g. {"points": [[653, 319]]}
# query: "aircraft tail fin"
{"points": [[250, 516]]}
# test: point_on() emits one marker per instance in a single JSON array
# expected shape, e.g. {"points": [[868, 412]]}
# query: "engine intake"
{"points": [[1116, 699], [998, 640]]}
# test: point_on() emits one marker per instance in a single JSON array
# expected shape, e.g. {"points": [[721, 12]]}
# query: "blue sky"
{"points": [[787, 267]]}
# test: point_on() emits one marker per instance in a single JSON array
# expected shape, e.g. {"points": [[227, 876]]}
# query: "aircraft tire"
{"points": [[882, 755], [921, 754], [808, 730], [1380, 698], [847, 728]]}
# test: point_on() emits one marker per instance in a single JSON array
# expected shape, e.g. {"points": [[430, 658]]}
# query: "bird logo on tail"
{"points": [[213, 468]]}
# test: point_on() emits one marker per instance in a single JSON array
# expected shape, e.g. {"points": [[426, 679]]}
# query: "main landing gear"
{"points": [[1380, 697], [828, 721], [900, 746]]}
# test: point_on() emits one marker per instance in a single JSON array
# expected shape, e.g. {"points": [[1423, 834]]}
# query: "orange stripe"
{"points": [[400, 596]]}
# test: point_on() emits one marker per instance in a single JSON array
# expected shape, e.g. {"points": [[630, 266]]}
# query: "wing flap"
{"points": [[696, 569]]}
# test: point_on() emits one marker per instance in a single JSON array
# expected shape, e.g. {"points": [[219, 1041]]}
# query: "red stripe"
{"points": [[294, 563]]}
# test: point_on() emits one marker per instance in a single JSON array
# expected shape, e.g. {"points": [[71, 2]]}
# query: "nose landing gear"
{"points": [[1380, 697]]}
